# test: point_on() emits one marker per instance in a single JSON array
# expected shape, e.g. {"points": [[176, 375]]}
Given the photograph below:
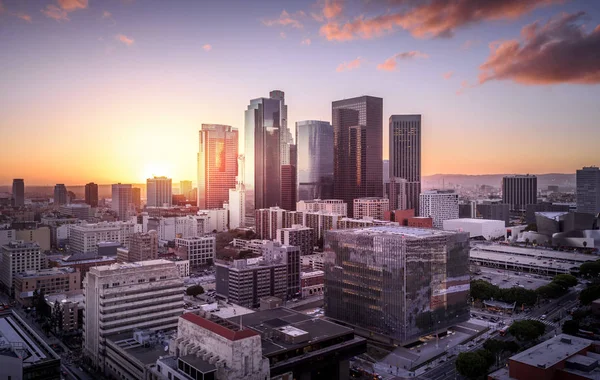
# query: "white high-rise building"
{"points": [[439, 205], [237, 207], [122, 201], [123, 297], [159, 192], [18, 257], [197, 250], [217, 219], [85, 237], [336, 206], [372, 207]]}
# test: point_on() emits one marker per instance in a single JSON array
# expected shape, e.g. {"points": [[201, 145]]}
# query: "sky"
{"points": [[116, 90]]}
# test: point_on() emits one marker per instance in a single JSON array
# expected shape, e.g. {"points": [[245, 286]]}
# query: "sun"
{"points": [[152, 169]]}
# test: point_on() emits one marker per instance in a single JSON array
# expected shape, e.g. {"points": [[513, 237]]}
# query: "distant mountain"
{"points": [[564, 181]]}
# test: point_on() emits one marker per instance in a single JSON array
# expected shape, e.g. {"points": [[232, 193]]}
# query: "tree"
{"points": [[527, 329], [591, 269], [483, 290], [56, 317], [584, 244], [565, 280], [570, 327], [499, 346], [589, 294], [194, 290], [472, 365], [552, 290]]}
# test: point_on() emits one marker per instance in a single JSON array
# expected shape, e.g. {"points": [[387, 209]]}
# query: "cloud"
{"points": [[332, 8], [348, 66], [106, 14], [317, 17], [464, 85], [306, 41], [72, 5], [433, 18], [207, 47], [468, 44], [55, 12], [391, 63], [23, 16], [448, 75], [124, 39], [286, 19], [561, 51], [282, 35]]}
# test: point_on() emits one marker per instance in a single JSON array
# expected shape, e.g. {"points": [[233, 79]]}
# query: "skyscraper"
{"points": [[217, 164], [439, 205], [136, 197], [288, 187], [159, 192], [264, 123], [122, 201], [357, 149], [588, 190], [185, 189], [314, 141], [519, 191], [91, 194], [395, 191], [405, 155], [60, 194], [285, 135], [18, 192]]}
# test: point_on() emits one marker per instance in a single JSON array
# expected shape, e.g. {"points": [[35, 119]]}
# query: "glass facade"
{"points": [[314, 140], [405, 155], [399, 282]]}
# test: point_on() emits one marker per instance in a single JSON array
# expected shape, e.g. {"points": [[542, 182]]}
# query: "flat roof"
{"points": [[146, 354], [220, 327], [199, 364], [552, 351], [411, 232], [475, 221], [137, 264], [535, 252], [522, 260]]}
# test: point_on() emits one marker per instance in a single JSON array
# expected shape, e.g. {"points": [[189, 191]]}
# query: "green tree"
{"points": [[519, 295], [496, 346], [552, 290], [483, 290], [527, 329], [472, 365], [589, 294], [590, 269], [570, 327], [56, 317], [565, 280], [194, 290]]}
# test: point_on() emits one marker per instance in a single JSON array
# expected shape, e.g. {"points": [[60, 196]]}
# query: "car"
{"points": [[543, 317]]}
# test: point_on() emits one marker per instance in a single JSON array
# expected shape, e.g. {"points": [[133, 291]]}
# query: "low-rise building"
{"points": [[487, 229], [312, 283], [198, 250], [71, 307], [18, 257], [49, 281], [372, 207]]}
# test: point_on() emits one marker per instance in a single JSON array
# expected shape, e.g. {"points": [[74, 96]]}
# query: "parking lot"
{"points": [[508, 278]]}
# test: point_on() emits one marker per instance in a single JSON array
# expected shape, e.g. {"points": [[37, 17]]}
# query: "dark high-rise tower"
{"points": [[314, 140], [405, 155], [588, 190], [518, 191], [357, 148], [60, 194], [18, 192], [91, 194]]}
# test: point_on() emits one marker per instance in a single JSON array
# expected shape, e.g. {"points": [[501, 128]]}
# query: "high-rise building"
{"points": [[217, 164], [84, 237], [124, 297], [142, 247], [336, 206], [439, 205], [136, 197], [357, 149], [588, 190], [288, 187], [519, 191], [494, 211], [159, 192], [265, 120], [185, 189], [197, 250], [372, 207], [122, 201], [275, 252], [399, 283], [386, 171], [18, 192], [18, 257], [405, 155], [60, 195], [314, 141], [268, 221], [77, 210], [396, 192], [299, 236], [91, 194], [321, 222], [286, 136], [237, 207]]}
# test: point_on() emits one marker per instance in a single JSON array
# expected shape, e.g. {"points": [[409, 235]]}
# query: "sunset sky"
{"points": [[116, 90]]}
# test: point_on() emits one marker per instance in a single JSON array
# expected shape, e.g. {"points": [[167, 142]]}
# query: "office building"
{"points": [[314, 141], [122, 201], [77, 210], [477, 228], [217, 164], [405, 155], [321, 222], [18, 257], [288, 187], [159, 192], [518, 191], [18, 192], [588, 190], [91, 194], [297, 235], [35, 234], [60, 195], [199, 251], [494, 211], [268, 221], [274, 252], [136, 198], [386, 171], [439, 205], [142, 246], [217, 219], [398, 283], [396, 192], [6, 236], [71, 310], [82, 262], [336, 206], [357, 149], [237, 207], [84, 237], [185, 189], [49, 281], [372, 207], [123, 297]]}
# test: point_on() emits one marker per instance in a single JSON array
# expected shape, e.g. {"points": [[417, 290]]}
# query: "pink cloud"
{"points": [[391, 63], [468, 44], [332, 8], [106, 14], [71, 5], [207, 47], [286, 19], [282, 35], [124, 39], [55, 13], [448, 75], [23, 16], [306, 41], [349, 66]]}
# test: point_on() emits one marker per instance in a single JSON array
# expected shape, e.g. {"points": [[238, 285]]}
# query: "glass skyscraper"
{"points": [[314, 141], [398, 282], [405, 155]]}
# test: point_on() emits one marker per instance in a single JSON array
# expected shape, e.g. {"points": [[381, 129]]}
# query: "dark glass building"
{"points": [[399, 283], [518, 191], [405, 155], [18, 192], [91, 194], [314, 141], [60, 194], [588, 190], [357, 149]]}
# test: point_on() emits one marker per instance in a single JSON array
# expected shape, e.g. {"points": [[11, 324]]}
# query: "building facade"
{"points": [[396, 192], [372, 207], [142, 246], [518, 191], [122, 201], [336, 206], [198, 251], [85, 237], [18, 257], [18, 192], [314, 141], [439, 205], [298, 235], [288, 187], [405, 155], [60, 194], [159, 192], [77, 210], [49, 281], [588, 190], [185, 189], [91, 194]]}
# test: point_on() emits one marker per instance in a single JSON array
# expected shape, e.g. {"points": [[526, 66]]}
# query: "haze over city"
{"points": [[117, 90]]}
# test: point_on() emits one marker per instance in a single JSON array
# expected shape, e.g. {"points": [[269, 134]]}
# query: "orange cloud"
{"points": [[23, 16], [72, 5], [433, 18], [348, 66], [207, 47], [55, 12], [124, 39], [561, 51], [306, 41], [332, 8], [391, 63], [448, 75], [285, 19]]}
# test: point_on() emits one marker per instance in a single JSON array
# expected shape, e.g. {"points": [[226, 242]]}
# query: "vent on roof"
{"points": [[541, 366], [565, 340]]}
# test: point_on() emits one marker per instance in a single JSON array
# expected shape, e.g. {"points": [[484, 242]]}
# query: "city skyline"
{"points": [[120, 74]]}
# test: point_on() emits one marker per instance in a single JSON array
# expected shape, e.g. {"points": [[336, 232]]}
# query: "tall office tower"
{"points": [[274, 252], [519, 191], [122, 202], [588, 190], [185, 189], [18, 192], [314, 141], [372, 207], [136, 197], [439, 205], [264, 124], [91, 194], [142, 247], [124, 297], [159, 192], [397, 282], [288, 187], [357, 149], [60, 194], [386, 171], [396, 192], [17, 257], [337, 206], [268, 221], [217, 164], [285, 135], [405, 155]]}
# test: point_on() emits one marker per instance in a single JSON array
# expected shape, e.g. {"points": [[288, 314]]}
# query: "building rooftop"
{"points": [[475, 221], [535, 253], [137, 264], [552, 215], [75, 297], [20, 244], [564, 266], [220, 326], [146, 352], [46, 272], [408, 232], [90, 260], [552, 351]]}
